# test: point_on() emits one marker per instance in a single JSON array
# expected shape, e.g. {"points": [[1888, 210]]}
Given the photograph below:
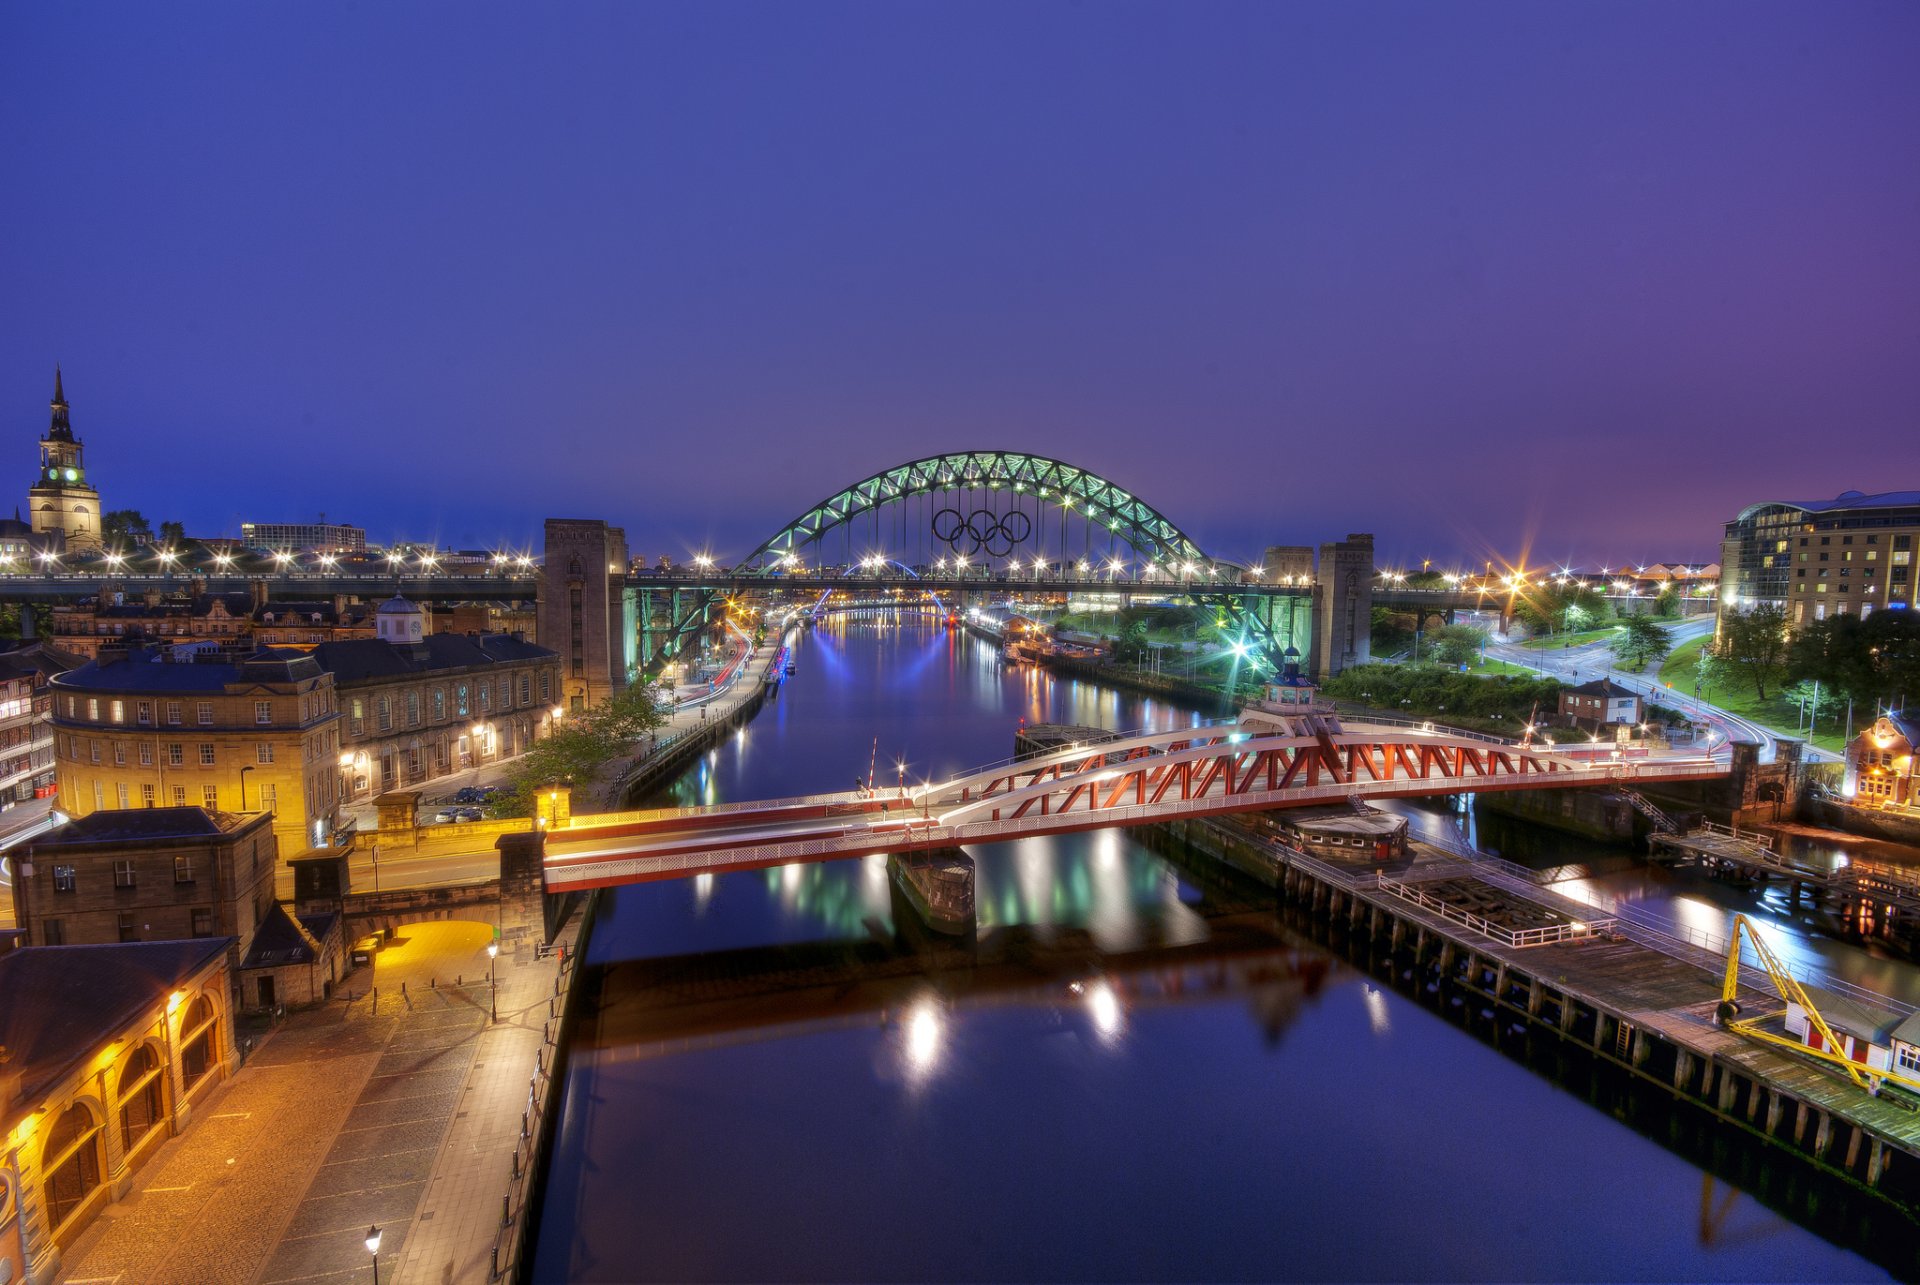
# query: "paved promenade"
{"points": [[400, 1112]]}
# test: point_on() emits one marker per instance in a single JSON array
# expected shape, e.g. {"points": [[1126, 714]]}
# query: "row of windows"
{"points": [[464, 703], [114, 710], [125, 875], [174, 752], [207, 797]]}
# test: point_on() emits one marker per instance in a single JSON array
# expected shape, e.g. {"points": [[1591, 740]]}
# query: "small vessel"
{"points": [[939, 887]]}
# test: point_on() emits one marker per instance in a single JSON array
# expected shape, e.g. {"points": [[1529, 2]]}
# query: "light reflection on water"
{"points": [[1276, 1118]]}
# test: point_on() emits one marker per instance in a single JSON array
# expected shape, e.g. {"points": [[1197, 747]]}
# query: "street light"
{"points": [[373, 1247], [493, 984]]}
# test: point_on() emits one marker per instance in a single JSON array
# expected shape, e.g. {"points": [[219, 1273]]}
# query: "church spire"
{"points": [[62, 431]]}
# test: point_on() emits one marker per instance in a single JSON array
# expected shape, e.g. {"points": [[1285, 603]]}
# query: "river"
{"points": [[1139, 1079]]}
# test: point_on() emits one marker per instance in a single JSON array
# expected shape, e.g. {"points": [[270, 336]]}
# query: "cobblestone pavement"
{"points": [[334, 1124]]}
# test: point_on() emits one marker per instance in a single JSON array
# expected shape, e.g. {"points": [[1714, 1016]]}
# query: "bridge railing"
{"points": [[1572, 930]]}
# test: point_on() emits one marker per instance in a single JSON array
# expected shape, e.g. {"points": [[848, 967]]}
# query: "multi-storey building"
{"points": [[151, 726], [65, 507], [148, 874], [86, 626], [26, 719], [1849, 555], [318, 537], [417, 705], [587, 613]]}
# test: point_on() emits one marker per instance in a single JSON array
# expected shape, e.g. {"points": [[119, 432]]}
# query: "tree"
{"points": [[1754, 643], [126, 527], [1456, 644], [1131, 647], [172, 533], [1708, 669], [1667, 605], [581, 747], [1551, 607], [1641, 641], [1392, 631], [1874, 659], [1813, 699]]}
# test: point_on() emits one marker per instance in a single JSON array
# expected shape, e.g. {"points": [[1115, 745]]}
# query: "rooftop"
{"points": [[58, 1004], [1846, 500], [148, 668], [360, 659], [148, 824]]}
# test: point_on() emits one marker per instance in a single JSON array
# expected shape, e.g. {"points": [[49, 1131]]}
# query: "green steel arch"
{"points": [[1056, 482], [1061, 485]]}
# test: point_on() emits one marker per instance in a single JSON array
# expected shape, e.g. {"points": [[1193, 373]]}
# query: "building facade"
{"points": [[587, 613], [26, 719], [1851, 555], [64, 507], [152, 726], [302, 537], [110, 1049], [416, 705], [148, 874], [1880, 762], [1601, 703], [84, 627]]}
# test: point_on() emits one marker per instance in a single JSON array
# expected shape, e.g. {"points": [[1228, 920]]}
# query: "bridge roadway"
{"points": [[294, 586], [1136, 780]]}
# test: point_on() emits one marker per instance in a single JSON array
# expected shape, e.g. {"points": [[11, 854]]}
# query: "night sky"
{"points": [[1476, 277]]}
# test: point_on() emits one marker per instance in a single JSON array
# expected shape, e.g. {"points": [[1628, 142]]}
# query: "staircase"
{"points": [[1645, 807]]}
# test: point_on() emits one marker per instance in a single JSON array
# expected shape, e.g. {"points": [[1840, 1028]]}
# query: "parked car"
{"points": [[445, 815], [470, 814]]}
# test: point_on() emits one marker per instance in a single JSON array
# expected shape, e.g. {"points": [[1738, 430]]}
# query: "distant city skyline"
{"points": [[1484, 280]]}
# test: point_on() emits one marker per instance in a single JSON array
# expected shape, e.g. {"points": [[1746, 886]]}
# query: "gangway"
{"points": [[1646, 808]]}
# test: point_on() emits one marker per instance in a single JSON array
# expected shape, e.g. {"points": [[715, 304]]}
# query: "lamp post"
{"points": [[493, 984], [373, 1248]]}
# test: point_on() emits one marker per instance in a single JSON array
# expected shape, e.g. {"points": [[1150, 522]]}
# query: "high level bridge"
{"points": [[1136, 780]]}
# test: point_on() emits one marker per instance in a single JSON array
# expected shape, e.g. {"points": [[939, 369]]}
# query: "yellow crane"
{"points": [[1791, 990]]}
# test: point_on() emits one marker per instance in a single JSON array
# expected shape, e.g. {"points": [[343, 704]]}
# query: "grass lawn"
{"points": [[1490, 668], [1578, 639], [1774, 713]]}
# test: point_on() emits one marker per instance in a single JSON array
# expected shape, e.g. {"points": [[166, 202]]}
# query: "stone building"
{"points": [[86, 626], [418, 705], [149, 726], [105, 1052], [64, 507], [587, 613], [294, 960], [1879, 772], [148, 874]]}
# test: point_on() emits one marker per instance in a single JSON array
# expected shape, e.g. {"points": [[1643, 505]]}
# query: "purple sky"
{"points": [[1466, 275]]}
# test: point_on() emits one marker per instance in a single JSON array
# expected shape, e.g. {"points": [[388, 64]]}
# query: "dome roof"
{"points": [[397, 605]]}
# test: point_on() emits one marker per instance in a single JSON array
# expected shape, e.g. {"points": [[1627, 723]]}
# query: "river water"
{"points": [[1138, 1079]]}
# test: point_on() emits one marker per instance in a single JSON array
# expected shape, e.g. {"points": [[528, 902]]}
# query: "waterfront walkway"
{"points": [[396, 1112]]}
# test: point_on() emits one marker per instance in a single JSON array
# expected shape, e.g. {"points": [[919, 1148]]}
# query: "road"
{"points": [[1594, 660]]}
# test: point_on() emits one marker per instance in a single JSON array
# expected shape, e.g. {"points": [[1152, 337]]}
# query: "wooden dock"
{"points": [[1618, 990]]}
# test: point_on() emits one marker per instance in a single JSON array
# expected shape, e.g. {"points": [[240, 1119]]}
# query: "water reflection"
{"points": [[1118, 1054]]}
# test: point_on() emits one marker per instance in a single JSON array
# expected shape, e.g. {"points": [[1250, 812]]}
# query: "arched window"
{"points": [[199, 1042], [142, 1097], [70, 1164]]}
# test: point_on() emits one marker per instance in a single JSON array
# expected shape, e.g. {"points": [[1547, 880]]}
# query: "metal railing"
{"points": [[1572, 930]]}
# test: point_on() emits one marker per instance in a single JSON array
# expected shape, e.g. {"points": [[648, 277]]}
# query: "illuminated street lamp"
{"points": [[373, 1247], [493, 982]]}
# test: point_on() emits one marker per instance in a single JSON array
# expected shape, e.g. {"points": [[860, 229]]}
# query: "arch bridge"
{"points": [[979, 520]]}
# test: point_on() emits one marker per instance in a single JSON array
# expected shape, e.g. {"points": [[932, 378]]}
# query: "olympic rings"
{"points": [[982, 530]]}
